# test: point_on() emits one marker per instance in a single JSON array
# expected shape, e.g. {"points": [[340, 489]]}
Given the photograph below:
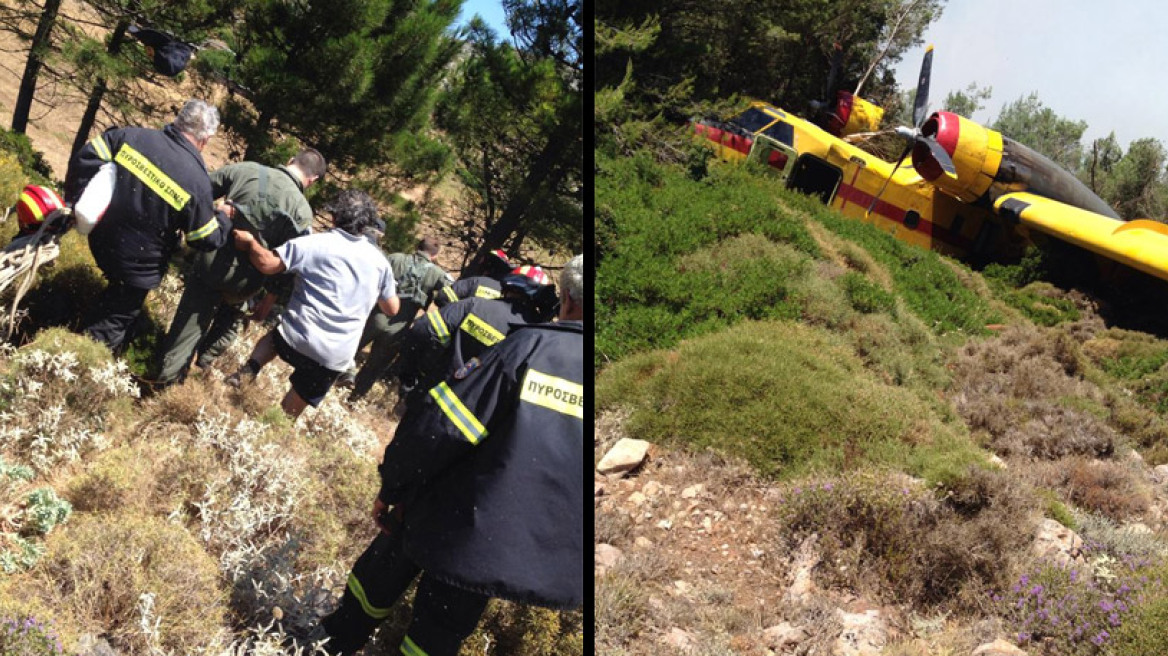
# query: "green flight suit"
{"points": [[270, 203], [418, 279]]}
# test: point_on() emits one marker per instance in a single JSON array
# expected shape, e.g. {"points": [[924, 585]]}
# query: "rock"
{"points": [[679, 640], [637, 498], [863, 634], [277, 613], [626, 455], [1055, 541], [998, 647], [805, 560], [91, 645], [651, 489], [1160, 474], [694, 490], [782, 637], [996, 461], [607, 556], [643, 542]]}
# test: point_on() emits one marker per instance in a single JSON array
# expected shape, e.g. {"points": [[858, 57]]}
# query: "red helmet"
{"points": [[498, 252], [534, 272], [36, 203]]}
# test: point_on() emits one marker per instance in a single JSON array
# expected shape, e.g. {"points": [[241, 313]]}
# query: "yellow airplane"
{"points": [[958, 187]]}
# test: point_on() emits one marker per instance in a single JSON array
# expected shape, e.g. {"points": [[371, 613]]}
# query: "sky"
{"points": [[1099, 62], [491, 12]]}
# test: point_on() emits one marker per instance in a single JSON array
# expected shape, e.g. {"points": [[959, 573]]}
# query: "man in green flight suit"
{"points": [[266, 201], [418, 280]]}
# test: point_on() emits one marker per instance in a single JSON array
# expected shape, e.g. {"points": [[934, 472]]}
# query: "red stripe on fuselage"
{"points": [[851, 194]]}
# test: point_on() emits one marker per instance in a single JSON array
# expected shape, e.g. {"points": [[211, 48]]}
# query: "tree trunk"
{"points": [[259, 139], [32, 67], [99, 89], [519, 202]]}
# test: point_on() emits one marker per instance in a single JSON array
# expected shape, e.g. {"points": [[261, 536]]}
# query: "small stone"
{"points": [[692, 491], [626, 455], [607, 555], [277, 613], [637, 498], [679, 640], [707, 524], [665, 524], [643, 542], [998, 647], [651, 489]]}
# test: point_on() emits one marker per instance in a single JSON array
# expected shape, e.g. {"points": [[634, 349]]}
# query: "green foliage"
{"points": [[1028, 121], [44, 510], [926, 284], [1057, 510], [864, 295], [527, 631], [19, 554], [1037, 303], [1142, 633], [812, 407], [26, 636], [968, 102], [32, 161], [1137, 186], [692, 256], [346, 77], [778, 51]]}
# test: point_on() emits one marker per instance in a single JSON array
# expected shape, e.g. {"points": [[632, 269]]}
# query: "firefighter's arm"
{"points": [[264, 260], [85, 164], [210, 233], [450, 423]]}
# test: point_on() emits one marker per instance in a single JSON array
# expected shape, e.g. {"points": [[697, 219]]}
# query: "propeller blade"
{"points": [[938, 153], [883, 187], [837, 60], [921, 100]]}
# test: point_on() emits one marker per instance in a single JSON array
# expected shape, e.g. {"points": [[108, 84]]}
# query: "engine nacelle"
{"points": [[976, 153], [990, 165]]}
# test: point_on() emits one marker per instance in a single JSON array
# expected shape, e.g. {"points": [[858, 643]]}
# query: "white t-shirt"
{"points": [[339, 278]]}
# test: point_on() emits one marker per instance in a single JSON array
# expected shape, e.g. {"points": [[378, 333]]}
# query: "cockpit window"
{"points": [[752, 120], [781, 132]]}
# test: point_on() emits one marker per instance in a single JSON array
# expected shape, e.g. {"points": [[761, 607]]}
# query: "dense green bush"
{"points": [[786, 397]]}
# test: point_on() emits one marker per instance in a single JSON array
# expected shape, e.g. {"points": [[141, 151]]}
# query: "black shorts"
{"points": [[310, 379]]}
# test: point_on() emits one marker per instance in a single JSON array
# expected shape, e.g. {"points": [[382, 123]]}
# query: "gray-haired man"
{"points": [[161, 194]]}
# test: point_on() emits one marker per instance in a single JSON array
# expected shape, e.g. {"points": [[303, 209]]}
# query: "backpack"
{"points": [[410, 285]]}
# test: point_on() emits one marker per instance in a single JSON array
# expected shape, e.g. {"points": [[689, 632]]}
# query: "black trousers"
{"points": [[443, 615], [113, 316]]}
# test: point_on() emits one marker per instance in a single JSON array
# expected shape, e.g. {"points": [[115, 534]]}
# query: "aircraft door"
{"points": [[815, 177], [773, 154]]}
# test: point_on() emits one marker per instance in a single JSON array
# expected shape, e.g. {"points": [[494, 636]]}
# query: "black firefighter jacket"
{"points": [[162, 191], [480, 286], [489, 471]]}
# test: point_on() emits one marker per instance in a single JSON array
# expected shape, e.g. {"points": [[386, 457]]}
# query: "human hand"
{"points": [[243, 239]]}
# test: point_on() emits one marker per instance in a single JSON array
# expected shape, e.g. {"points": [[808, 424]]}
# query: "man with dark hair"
{"points": [[339, 278], [487, 285], [418, 280], [482, 493], [160, 194], [267, 202]]}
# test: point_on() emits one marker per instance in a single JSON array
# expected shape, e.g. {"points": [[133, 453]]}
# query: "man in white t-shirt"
{"points": [[340, 275]]}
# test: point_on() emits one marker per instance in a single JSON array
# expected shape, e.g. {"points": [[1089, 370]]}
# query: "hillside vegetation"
{"points": [[848, 424]]}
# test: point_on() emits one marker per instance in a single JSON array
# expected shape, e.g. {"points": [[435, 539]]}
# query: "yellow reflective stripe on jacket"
{"points": [[439, 325], [207, 229], [482, 291], [463, 419], [411, 648], [482, 331], [100, 147], [553, 393], [153, 177], [359, 592], [449, 292]]}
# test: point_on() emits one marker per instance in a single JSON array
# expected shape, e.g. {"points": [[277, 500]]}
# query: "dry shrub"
{"points": [[115, 479], [896, 541], [508, 628], [1106, 487], [333, 515], [1011, 388], [98, 568]]}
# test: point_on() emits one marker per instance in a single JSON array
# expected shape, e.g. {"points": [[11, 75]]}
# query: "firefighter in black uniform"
{"points": [[488, 285], [162, 191], [482, 492], [442, 340]]}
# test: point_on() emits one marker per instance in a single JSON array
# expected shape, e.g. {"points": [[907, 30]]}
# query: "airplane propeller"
{"points": [[913, 136]]}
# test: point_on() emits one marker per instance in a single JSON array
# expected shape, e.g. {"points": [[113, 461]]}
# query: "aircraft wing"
{"points": [[1141, 244]]}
